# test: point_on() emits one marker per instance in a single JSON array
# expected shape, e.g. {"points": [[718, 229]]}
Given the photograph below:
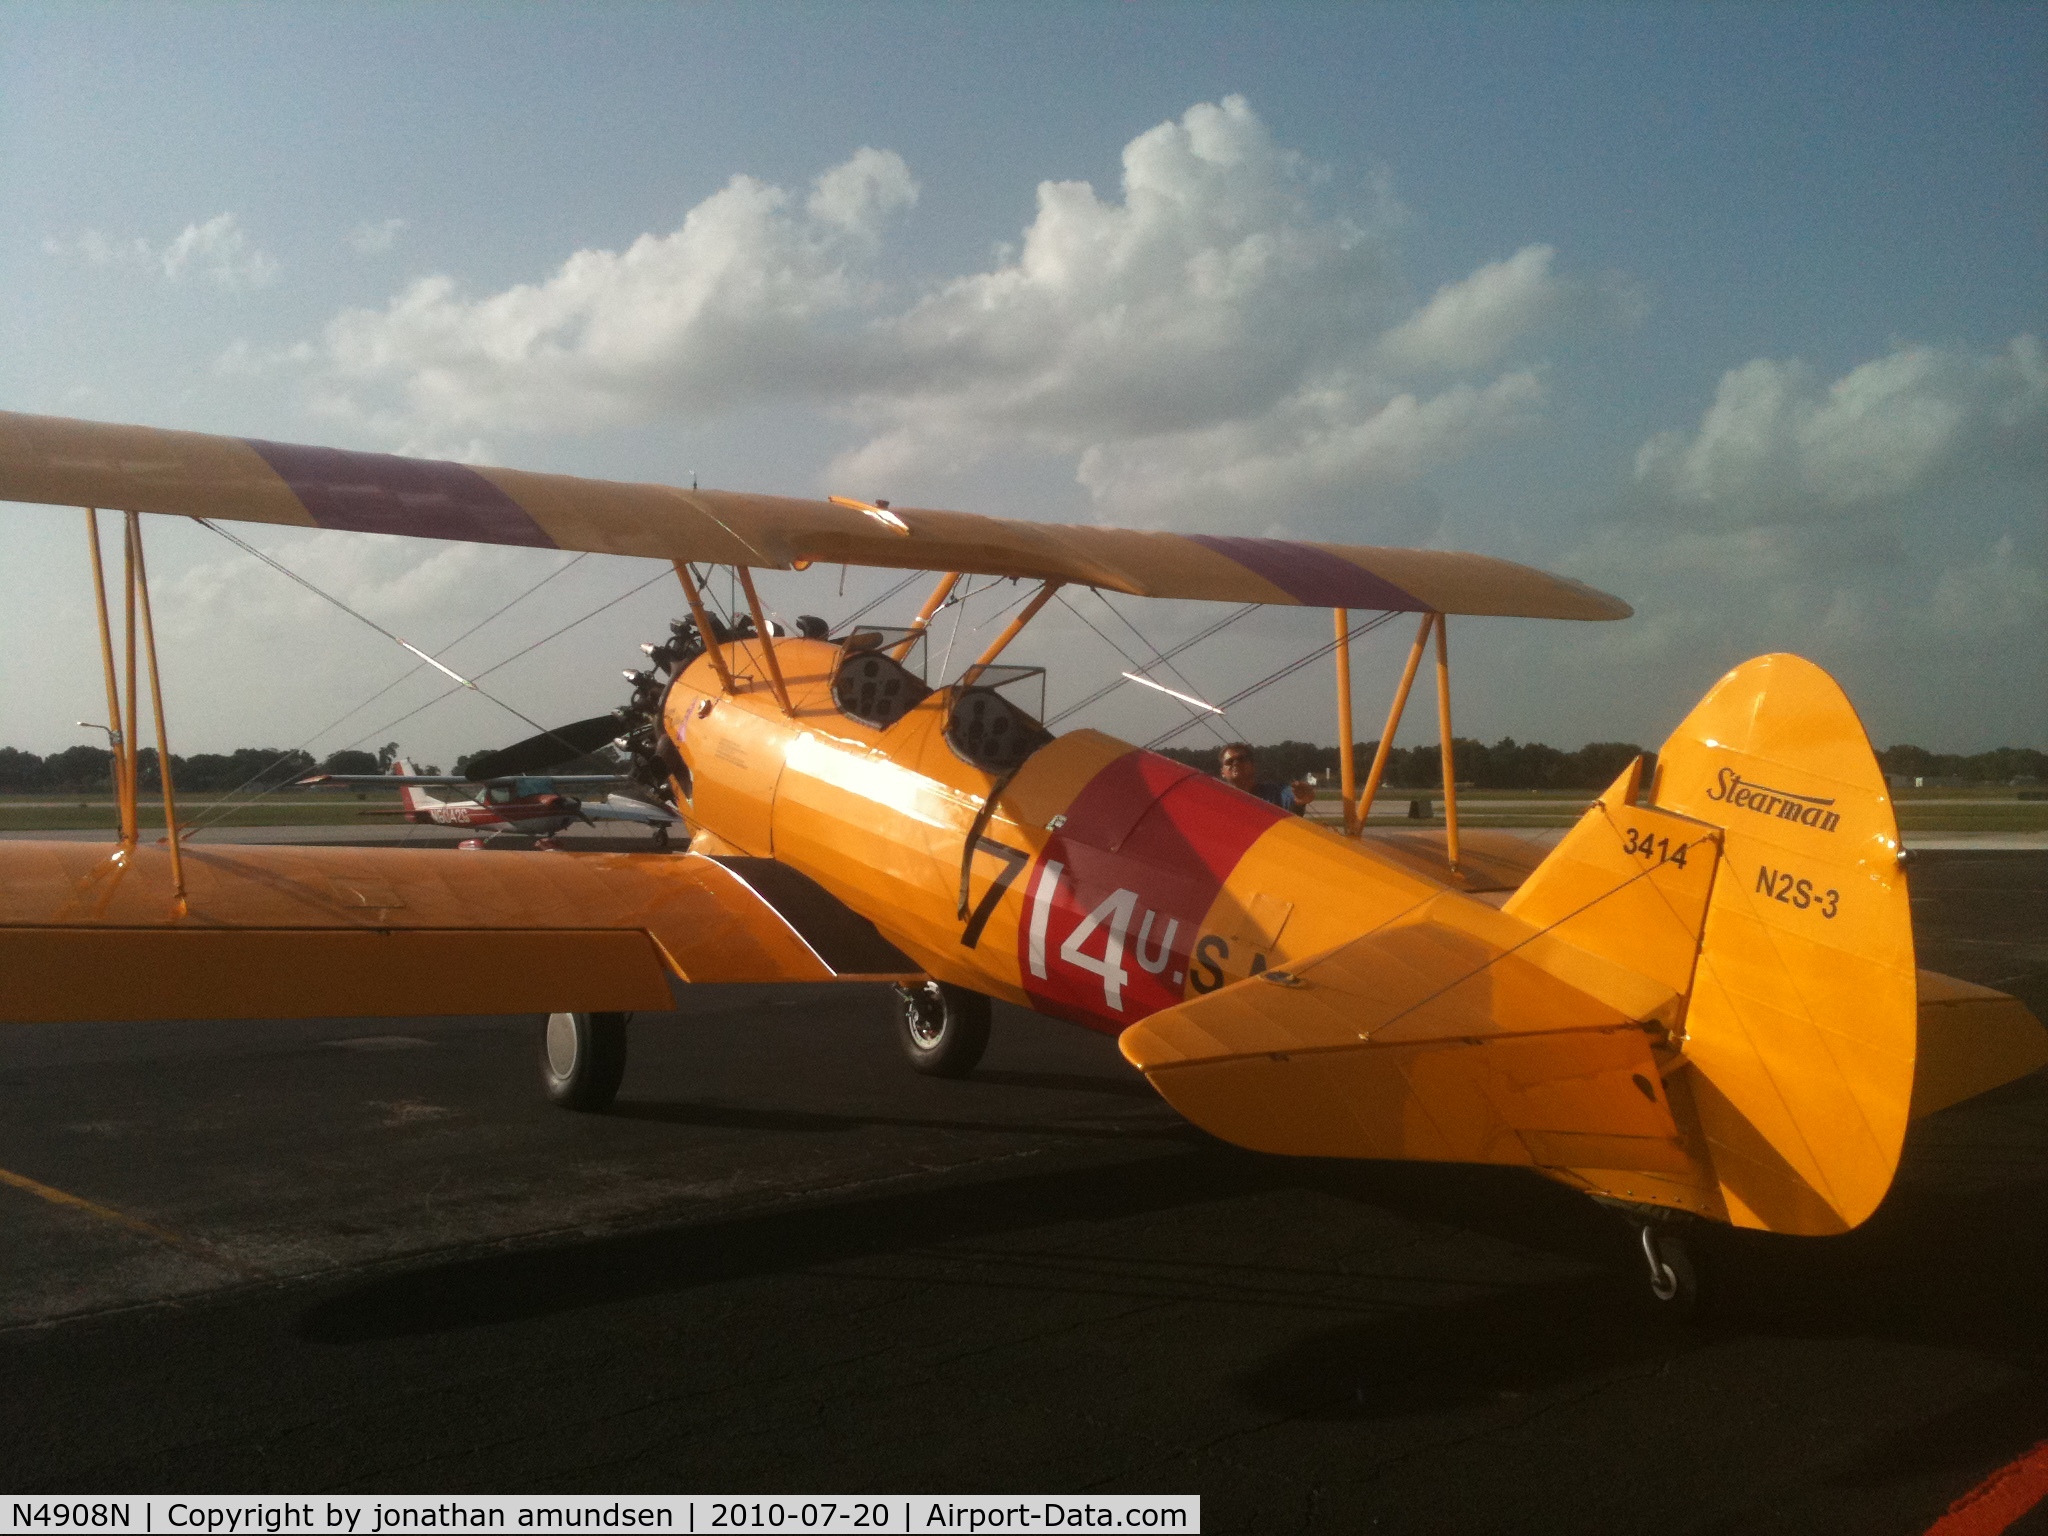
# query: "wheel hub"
{"points": [[925, 1016], [561, 1043]]}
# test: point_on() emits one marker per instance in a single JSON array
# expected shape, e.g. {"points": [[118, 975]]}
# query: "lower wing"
{"points": [[273, 932]]}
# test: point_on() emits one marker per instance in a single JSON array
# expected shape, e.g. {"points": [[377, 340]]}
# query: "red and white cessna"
{"points": [[525, 803]]}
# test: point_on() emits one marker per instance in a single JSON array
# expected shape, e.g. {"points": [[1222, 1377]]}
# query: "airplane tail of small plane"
{"points": [[1705, 998], [419, 805], [1799, 1033]]}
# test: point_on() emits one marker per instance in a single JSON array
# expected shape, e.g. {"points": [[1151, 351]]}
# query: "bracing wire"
{"points": [[633, 591], [1127, 656], [958, 603], [1703, 841], [228, 804], [1108, 688], [363, 618], [1273, 677], [487, 671], [869, 607], [1018, 601], [1124, 619]]}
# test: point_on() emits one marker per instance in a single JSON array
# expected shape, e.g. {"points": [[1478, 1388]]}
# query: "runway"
{"points": [[366, 1255]]}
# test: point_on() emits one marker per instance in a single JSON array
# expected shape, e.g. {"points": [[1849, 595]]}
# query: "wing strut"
{"points": [[1015, 628], [932, 605], [703, 622], [124, 783], [1443, 720], [767, 639], [1386, 747], [156, 704], [1348, 786], [121, 734]]}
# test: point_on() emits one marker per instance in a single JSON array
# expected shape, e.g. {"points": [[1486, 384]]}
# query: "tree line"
{"points": [[86, 768], [1506, 764], [1511, 764]]}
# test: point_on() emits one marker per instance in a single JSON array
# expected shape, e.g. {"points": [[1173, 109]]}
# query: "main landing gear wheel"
{"points": [[944, 1027], [1674, 1272], [583, 1058]]}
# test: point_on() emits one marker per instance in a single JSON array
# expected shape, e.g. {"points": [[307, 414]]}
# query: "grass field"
{"points": [[42, 813], [1932, 810]]}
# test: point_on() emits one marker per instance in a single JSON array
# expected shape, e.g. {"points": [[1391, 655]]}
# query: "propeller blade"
{"points": [[537, 754]]}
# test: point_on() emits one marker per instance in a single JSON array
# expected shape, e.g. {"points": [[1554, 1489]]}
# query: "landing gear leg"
{"points": [[661, 839]]}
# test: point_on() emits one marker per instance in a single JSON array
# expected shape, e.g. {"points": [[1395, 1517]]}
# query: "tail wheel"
{"points": [[583, 1058], [944, 1028], [1674, 1273]]}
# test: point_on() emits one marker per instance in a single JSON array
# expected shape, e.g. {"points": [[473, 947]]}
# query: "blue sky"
{"points": [[1731, 310]]}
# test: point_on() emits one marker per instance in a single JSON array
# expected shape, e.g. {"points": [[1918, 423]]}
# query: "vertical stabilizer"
{"points": [[1630, 883], [1800, 1033], [419, 805]]}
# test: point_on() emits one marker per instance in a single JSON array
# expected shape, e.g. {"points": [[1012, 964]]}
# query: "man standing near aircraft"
{"points": [[1241, 771]]}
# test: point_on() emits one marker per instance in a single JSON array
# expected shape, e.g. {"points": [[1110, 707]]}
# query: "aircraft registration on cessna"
{"points": [[1701, 1005]]}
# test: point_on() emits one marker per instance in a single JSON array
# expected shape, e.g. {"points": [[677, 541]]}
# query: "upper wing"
{"points": [[280, 932], [146, 469]]}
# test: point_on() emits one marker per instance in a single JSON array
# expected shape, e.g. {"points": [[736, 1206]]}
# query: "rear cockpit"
{"points": [[987, 723]]}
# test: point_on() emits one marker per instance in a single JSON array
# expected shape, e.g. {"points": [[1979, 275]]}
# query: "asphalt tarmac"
{"points": [[366, 1255]]}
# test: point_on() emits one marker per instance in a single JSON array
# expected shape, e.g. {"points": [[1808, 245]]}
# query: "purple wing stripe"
{"points": [[1313, 576], [384, 493]]}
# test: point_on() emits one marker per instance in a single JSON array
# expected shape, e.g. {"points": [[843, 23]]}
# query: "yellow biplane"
{"points": [[1702, 1003]]}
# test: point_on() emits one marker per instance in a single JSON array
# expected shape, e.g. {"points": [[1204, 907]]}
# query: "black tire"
{"points": [[944, 1028], [583, 1058], [1675, 1288]]}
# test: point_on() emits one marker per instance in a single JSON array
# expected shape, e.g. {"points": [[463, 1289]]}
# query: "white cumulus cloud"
{"points": [[1209, 345], [1779, 446], [1482, 318], [1309, 458], [737, 304], [219, 251], [1889, 523], [373, 237]]}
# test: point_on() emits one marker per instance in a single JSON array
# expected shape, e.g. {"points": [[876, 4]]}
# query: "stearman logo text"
{"points": [[1807, 810]]}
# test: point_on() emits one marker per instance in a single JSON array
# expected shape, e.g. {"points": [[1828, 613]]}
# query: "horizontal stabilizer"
{"points": [[1972, 1039], [1706, 1002], [1459, 1034]]}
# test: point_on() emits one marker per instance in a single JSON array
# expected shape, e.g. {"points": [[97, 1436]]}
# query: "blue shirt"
{"points": [[1281, 795]]}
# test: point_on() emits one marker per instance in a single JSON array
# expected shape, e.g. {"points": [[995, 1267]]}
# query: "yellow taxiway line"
{"points": [[135, 1224]]}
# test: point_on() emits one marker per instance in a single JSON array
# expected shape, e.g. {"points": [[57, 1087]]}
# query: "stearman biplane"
{"points": [[1702, 1003]]}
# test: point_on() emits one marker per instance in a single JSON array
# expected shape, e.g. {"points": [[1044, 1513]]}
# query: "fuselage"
{"points": [[541, 812], [1107, 882]]}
